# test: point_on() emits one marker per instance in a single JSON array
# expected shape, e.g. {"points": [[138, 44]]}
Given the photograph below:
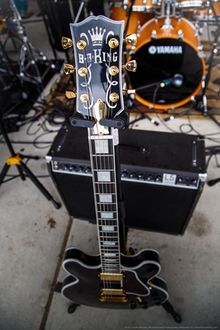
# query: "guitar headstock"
{"points": [[97, 43]]}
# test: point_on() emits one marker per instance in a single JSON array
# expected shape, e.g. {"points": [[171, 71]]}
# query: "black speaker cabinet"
{"points": [[162, 176]]}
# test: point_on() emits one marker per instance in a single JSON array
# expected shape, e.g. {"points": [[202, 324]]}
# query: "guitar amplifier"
{"points": [[162, 176]]}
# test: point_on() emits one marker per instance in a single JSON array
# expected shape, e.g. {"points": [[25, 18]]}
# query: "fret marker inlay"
{"points": [[105, 198], [109, 243], [108, 228], [104, 176], [101, 147], [107, 215]]}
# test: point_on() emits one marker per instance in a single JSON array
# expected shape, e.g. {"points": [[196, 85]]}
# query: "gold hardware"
{"points": [[81, 44], [113, 70], [112, 295], [110, 277], [70, 94], [84, 98], [131, 66], [139, 299], [113, 43], [113, 299], [83, 72], [149, 283], [131, 39], [14, 160], [114, 97], [66, 42], [113, 292], [68, 69]]}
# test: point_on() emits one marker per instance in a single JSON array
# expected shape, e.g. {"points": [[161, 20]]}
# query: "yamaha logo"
{"points": [[165, 50], [152, 50]]}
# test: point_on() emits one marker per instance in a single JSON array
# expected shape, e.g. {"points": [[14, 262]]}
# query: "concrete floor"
{"points": [[31, 241]]}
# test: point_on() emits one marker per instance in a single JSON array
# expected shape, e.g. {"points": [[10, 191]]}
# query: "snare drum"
{"points": [[162, 53], [141, 13]]}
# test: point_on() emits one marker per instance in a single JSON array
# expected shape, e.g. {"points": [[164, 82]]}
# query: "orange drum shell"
{"points": [[217, 8], [189, 37]]}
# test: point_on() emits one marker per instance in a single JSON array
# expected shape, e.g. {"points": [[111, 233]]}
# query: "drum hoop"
{"points": [[171, 37], [171, 105]]}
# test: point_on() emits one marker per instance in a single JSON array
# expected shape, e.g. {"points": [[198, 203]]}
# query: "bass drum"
{"points": [[139, 16], [162, 52]]}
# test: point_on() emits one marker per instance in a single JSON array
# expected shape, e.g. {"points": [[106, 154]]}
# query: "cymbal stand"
{"points": [[28, 68]]}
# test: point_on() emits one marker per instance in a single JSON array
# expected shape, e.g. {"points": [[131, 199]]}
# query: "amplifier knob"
{"points": [[71, 167], [65, 167], [132, 175], [140, 176], [149, 177], [87, 170], [81, 169], [158, 178], [180, 179], [194, 182], [124, 174]]}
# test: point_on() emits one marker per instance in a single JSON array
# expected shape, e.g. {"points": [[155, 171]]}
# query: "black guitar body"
{"points": [[83, 285]]}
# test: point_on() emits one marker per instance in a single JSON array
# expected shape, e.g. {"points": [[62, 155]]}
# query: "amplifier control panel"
{"points": [[144, 175]]}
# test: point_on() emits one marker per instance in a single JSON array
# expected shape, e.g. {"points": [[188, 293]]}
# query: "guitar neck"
{"points": [[103, 164]]}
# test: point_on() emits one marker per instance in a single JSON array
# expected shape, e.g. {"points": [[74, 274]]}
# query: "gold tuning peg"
{"points": [[66, 42], [70, 94], [131, 66], [68, 69], [131, 39]]}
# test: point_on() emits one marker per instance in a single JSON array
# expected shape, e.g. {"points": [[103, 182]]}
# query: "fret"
{"points": [[109, 252], [106, 183], [102, 155], [114, 234]]}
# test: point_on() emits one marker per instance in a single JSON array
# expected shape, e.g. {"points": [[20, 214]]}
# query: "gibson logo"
{"points": [[97, 56], [165, 50]]}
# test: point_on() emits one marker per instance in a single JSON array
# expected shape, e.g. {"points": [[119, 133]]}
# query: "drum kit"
{"points": [[171, 66]]}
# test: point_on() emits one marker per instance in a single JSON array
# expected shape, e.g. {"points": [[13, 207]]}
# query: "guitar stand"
{"points": [[17, 160], [167, 306]]}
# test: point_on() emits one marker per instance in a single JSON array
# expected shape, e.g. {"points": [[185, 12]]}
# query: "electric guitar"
{"points": [[112, 279]]}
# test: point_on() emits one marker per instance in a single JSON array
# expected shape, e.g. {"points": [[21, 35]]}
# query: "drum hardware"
{"points": [[200, 102], [28, 54]]}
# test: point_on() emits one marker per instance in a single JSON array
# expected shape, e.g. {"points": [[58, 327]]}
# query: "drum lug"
{"points": [[180, 35], [154, 34]]}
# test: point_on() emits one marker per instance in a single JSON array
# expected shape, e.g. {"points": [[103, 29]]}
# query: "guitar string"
{"points": [[92, 160], [112, 165]]}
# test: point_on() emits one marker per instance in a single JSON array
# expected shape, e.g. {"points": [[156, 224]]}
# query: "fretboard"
{"points": [[102, 155]]}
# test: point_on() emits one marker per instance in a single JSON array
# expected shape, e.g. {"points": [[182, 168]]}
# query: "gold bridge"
{"points": [[113, 295], [111, 276]]}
